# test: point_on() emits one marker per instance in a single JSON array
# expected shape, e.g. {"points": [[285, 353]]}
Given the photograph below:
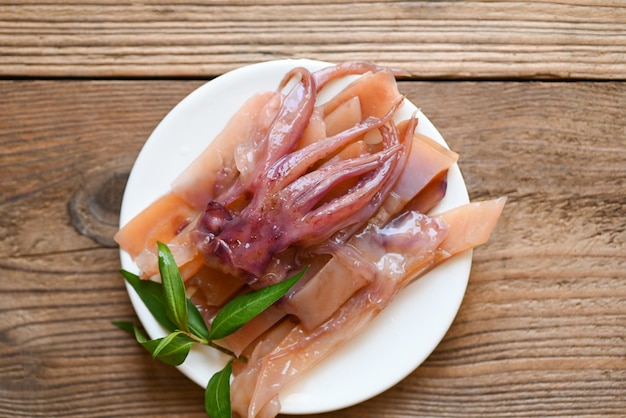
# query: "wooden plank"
{"points": [[447, 39], [540, 332]]}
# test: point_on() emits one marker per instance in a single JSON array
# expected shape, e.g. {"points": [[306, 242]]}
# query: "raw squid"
{"points": [[393, 255], [339, 279], [339, 184], [284, 197]]}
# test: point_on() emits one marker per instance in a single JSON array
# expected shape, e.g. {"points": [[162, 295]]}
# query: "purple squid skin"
{"points": [[284, 196]]}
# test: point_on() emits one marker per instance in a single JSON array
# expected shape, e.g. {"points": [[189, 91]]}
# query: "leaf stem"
{"points": [[225, 350]]}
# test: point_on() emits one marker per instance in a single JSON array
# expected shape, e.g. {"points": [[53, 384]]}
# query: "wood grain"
{"points": [[444, 39], [540, 333]]}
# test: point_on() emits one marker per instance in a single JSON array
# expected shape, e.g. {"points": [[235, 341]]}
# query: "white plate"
{"points": [[392, 346]]}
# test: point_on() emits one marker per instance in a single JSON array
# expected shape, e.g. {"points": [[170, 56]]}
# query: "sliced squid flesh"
{"points": [[398, 253]]}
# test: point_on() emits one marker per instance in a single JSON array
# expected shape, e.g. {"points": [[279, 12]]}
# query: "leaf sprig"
{"points": [[169, 305]]}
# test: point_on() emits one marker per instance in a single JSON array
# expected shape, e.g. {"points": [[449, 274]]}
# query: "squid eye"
{"points": [[215, 217]]}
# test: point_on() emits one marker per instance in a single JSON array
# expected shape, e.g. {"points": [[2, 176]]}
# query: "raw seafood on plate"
{"points": [[341, 184]]}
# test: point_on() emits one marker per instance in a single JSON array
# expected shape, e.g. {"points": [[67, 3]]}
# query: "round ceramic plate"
{"points": [[393, 345]]}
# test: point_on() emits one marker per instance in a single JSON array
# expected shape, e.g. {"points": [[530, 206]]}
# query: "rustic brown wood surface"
{"points": [[478, 39], [542, 329]]}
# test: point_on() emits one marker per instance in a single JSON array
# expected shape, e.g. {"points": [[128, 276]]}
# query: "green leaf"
{"points": [[197, 326], [164, 342], [126, 326], [172, 351], [243, 308], [173, 288], [217, 393], [151, 293]]}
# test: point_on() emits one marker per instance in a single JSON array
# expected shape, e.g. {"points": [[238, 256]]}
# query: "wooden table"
{"points": [[531, 94]]}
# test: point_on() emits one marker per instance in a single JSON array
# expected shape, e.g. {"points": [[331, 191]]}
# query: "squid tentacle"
{"points": [[390, 135], [283, 134], [296, 163], [309, 189], [328, 74], [248, 242], [339, 211], [279, 203]]}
